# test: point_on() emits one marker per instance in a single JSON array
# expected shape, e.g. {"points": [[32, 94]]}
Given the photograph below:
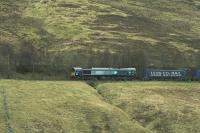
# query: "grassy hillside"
{"points": [[166, 32], [75, 107], [59, 107], [163, 107]]}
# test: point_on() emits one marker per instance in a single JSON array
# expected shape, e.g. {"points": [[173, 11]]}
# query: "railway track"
{"points": [[92, 83], [6, 113]]}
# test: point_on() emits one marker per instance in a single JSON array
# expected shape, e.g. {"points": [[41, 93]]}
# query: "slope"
{"points": [[163, 107], [60, 107], [164, 33]]}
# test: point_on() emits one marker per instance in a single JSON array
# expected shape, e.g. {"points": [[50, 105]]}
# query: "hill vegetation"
{"points": [[163, 107], [62, 33]]}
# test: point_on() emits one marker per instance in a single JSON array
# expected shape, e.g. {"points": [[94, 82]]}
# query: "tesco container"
{"points": [[164, 74], [196, 75]]}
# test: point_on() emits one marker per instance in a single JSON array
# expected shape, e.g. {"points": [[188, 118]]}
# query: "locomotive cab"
{"points": [[76, 72]]}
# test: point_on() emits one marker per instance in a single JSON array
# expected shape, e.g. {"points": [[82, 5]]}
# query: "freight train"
{"points": [[131, 73]]}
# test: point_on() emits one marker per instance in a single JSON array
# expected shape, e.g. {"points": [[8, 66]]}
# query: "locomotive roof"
{"points": [[103, 68], [77, 68]]}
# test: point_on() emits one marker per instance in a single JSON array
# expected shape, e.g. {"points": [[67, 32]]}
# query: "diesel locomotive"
{"points": [[99, 73]]}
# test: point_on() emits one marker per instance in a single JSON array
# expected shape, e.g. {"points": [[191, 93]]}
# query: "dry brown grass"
{"points": [[61, 107]]}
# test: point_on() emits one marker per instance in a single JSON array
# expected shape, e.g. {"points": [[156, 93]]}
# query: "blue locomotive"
{"points": [[126, 73]]}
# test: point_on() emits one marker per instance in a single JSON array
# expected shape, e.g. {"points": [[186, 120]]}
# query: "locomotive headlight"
{"points": [[72, 74], [115, 72]]}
